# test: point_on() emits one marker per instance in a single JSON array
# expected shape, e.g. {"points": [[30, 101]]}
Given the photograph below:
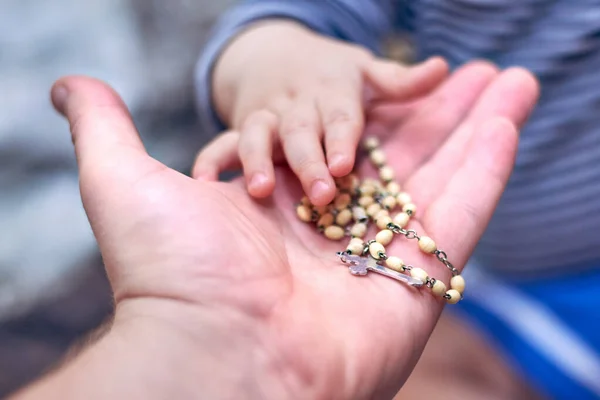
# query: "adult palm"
{"points": [[237, 275]]}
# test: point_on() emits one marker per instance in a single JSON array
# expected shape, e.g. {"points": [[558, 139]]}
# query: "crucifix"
{"points": [[361, 265]]}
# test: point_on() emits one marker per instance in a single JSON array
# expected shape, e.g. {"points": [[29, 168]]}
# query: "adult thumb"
{"points": [[109, 151]]}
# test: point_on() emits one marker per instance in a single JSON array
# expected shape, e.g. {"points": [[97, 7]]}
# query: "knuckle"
{"points": [[297, 125], [342, 117], [260, 117]]}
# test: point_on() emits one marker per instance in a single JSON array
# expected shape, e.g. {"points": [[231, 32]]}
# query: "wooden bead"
{"points": [[439, 288], [386, 173], [427, 245], [367, 189], [344, 217], [305, 201], [376, 249], [458, 283], [381, 213], [371, 143], [401, 219], [358, 230], [366, 201], [383, 222], [304, 213], [359, 214], [354, 181], [321, 209], [355, 246], [325, 220], [334, 232], [393, 188], [403, 198], [377, 157], [419, 273], [453, 296], [410, 209], [342, 201], [395, 263], [373, 209], [384, 237], [357, 240], [389, 202]]}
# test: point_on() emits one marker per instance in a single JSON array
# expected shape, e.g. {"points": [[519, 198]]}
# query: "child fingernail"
{"points": [[337, 160], [318, 189], [258, 180]]}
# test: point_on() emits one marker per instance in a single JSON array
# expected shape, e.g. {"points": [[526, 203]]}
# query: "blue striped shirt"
{"points": [[549, 216]]}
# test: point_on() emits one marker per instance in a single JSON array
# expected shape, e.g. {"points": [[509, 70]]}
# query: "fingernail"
{"points": [[318, 189], [336, 160], [258, 180], [59, 97]]}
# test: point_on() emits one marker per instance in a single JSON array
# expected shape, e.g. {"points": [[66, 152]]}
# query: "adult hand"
{"points": [[220, 296]]}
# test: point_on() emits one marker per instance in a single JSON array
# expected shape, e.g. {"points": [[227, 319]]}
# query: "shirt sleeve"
{"points": [[363, 22]]}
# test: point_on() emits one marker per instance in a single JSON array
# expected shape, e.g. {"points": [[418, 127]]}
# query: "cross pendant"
{"points": [[361, 265]]}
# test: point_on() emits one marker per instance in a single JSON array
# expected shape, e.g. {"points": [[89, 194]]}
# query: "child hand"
{"points": [[281, 86]]}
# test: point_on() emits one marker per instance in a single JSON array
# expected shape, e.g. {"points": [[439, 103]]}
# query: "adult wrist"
{"points": [[157, 349]]}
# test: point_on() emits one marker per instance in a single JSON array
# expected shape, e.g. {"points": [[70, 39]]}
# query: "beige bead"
{"points": [[427, 245], [357, 240], [383, 222], [359, 214], [345, 182], [384, 237], [359, 230], [370, 182], [386, 173], [381, 213], [419, 273], [403, 198], [367, 190], [334, 232], [410, 209], [366, 201], [354, 182], [371, 143], [454, 296], [389, 202], [395, 263], [393, 188], [373, 209], [321, 209], [458, 283], [356, 246], [401, 219], [305, 201], [377, 157], [439, 288], [304, 213], [342, 201], [375, 249], [344, 217], [325, 220]]}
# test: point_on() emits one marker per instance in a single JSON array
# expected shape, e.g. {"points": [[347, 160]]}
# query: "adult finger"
{"points": [[512, 96]]}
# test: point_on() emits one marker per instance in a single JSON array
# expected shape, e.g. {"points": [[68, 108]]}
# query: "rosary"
{"points": [[356, 205]]}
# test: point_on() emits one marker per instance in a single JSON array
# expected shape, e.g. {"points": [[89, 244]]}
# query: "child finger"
{"points": [[300, 134], [221, 154], [256, 152]]}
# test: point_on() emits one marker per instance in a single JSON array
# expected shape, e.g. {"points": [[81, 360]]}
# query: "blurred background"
{"points": [[52, 284]]}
